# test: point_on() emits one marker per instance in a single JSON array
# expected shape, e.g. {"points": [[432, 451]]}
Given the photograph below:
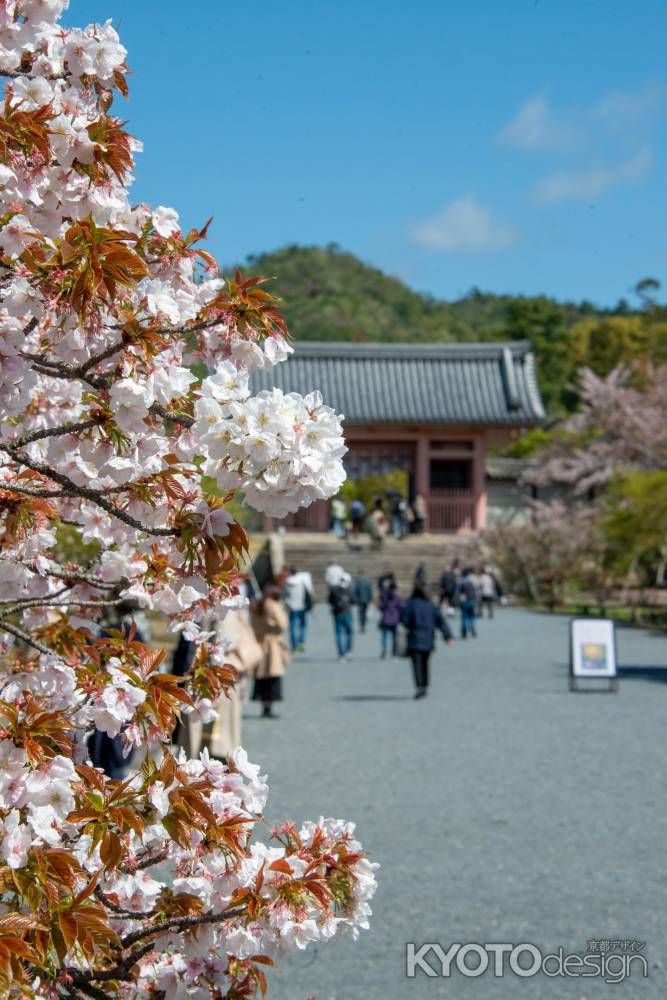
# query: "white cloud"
{"points": [[587, 184], [539, 126], [464, 225], [536, 127], [623, 104]]}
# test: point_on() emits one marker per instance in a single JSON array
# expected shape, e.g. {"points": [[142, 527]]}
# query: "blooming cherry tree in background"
{"points": [[124, 365], [622, 424]]}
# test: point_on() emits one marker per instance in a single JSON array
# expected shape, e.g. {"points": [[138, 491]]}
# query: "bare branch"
{"points": [[59, 494], [15, 74], [24, 637], [133, 914], [83, 491], [162, 411], [29, 602], [71, 428], [77, 575], [90, 990], [148, 861], [180, 924]]}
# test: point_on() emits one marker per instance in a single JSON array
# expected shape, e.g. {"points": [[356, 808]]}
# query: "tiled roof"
{"points": [[447, 384]]}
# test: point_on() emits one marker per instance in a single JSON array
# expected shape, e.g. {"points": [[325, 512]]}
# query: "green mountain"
{"points": [[329, 294]]}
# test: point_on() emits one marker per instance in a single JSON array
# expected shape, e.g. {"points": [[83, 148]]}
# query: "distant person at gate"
{"points": [[396, 515], [357, 515], [467, 594], [298, 597], [421, 618], [390, 605], [362, 593], [376, 525], [338, 517], [340, 601], [420, 511]]}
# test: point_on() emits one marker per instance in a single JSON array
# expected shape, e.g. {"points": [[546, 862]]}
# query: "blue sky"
{"points": [[517, 146]]}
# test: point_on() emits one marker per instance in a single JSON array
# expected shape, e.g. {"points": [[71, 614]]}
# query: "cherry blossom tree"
{"points": [[559, 553], [622, 424], [127, 419]]}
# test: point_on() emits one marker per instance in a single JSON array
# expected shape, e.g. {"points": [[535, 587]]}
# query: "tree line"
{"points": [[329, 294]]}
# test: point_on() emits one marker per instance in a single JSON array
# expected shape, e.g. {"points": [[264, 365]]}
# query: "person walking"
{"points": [[376, 525], [108, 752], [340, 600], [333, 574], [467, 599], [421, 577], [395, 515], [404, 512], [269, 622], [357, 515], [390, 605], [298, 597], [362, 595], [421, 618], [338, 517], [244, 653], [489, 588], [420, 512], [448, 587]]}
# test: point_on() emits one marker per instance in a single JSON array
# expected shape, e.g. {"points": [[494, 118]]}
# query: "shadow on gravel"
{"points": [[640, 673]]}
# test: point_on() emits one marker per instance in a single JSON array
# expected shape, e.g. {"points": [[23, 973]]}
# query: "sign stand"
{"points": [[592, 652]]}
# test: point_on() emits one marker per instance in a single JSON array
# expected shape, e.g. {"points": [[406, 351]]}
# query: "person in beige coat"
{"points": [[224, 735], [270, 621]]}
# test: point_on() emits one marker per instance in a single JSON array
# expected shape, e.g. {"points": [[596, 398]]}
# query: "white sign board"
{"points": [[593, 647]]}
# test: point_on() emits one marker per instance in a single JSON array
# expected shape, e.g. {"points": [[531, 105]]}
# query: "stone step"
{"points": [[314, 552]]}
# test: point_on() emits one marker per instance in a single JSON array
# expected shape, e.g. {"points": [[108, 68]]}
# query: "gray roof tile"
{"points": [[447, 384]]}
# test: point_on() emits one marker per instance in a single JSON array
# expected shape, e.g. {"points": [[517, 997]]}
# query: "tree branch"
{"points": [[90, 990], [133, 914], [36, 602], [24, 637], [15, 74], [162, 411], [77, 575], [71, 428], [59, 494], [148, 862], [9, 607], [85, 492], [181, 923]]}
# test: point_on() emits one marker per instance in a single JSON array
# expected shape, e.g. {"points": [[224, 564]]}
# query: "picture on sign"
{"points": [[593, 656], [593, 647]]}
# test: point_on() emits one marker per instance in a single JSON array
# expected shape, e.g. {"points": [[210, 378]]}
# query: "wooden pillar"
{"points": [[479, 484], [422, 468]]}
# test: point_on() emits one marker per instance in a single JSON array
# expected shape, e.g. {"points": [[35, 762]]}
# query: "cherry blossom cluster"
{"points": [[126, 425]]}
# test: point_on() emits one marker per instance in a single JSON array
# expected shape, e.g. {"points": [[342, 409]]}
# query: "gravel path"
{"points": [[502, 808]]}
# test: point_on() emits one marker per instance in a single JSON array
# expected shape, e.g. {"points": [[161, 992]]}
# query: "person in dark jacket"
{"points": [[391, 605], [467, 595], [421, 577], [362, 595], [421, 618], [448, 586], [340, 600], [384, 580], [107, 752]]}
